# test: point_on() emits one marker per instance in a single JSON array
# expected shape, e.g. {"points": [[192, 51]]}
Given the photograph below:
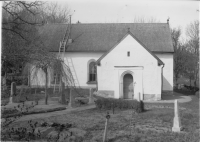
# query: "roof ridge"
{"points": [[56, 24], [114, 23]]}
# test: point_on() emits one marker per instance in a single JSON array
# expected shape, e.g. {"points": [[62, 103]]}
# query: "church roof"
{"points": [[101, 37], [129, 33]]}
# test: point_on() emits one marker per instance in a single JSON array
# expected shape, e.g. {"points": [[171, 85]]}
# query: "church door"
{"points": [[128, 86]]}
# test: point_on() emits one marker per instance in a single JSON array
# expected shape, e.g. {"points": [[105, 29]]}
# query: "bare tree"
{"points": [[179, 53], [192, 32], [52, 12], [19, 15], [18, 31], [145, 20], [50, 62]]}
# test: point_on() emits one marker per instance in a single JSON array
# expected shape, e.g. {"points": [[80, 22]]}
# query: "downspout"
{"points": [[162, 66], [96, 78]]}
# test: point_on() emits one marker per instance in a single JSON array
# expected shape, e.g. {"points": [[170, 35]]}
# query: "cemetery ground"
{"points": [[154, 124]]}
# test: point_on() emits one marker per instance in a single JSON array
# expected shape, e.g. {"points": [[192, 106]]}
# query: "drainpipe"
{"points": [[96, 79], [162, 66]]}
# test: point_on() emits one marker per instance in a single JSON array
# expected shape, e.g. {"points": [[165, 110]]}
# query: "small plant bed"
{"points": [[4, 101], [29, 108], [18, 113], [8, 111]]}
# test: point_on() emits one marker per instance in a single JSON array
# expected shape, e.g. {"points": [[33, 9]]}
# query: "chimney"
{"points": [[168, 20]]}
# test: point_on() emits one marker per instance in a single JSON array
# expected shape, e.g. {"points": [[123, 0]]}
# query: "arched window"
{"points": [[92, 71]]}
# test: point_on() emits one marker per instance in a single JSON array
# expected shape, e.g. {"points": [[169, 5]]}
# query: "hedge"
{"points": [[18, 113], [109, 103]]}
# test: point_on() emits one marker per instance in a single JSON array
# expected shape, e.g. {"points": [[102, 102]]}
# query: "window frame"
{"points": [[56, 79], [89, 74]]}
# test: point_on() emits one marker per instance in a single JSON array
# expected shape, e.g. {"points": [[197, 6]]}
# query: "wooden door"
{"points": [[128, 86]]}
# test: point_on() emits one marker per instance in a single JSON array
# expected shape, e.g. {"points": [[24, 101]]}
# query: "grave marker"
{"points": [[177, 122], [12, 92], [71, 99]]}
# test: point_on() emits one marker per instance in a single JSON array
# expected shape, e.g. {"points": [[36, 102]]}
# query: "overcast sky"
{"points": [[181, 13]]}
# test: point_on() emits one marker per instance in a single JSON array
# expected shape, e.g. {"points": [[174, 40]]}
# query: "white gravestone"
{"points": [[177, 122]]}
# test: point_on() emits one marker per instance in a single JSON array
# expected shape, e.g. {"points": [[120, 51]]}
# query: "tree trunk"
{"points": [[196, 77], [5, 87], [176, 78], [46, 87], [62, 96], [29, 78]]}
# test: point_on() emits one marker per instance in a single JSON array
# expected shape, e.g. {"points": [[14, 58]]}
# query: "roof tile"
{"points": [[103, 36]]}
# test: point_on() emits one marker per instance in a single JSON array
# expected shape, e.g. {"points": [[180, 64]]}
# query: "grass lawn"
{"points": [[151, 125]]}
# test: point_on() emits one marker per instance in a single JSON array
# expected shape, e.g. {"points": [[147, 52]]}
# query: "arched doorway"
{"points": [[128, 86]]}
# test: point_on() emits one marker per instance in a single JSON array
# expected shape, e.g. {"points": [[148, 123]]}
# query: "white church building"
{"points": [[120, 60]]}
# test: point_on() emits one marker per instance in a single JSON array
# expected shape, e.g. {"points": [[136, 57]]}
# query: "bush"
{"points": [[109, 103], [5, 93], [191, 88], [8, 111]]}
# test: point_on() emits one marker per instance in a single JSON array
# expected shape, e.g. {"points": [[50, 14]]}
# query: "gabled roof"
{"points": [[102, 37], [129, 33]]}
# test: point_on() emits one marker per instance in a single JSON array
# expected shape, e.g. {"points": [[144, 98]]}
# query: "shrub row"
{"points": [[14, 114], [191, 88], [109, 103]]}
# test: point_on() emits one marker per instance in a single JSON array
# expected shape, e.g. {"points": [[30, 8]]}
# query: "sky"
{"points": [[181, 13]]}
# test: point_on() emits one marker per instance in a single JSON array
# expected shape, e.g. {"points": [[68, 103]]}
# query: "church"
{"points": [[119, 60]]}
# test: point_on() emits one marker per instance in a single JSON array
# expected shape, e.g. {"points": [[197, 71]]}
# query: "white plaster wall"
{"points": [[139, 56], [167, 58], [80, 61], [38, 77]]}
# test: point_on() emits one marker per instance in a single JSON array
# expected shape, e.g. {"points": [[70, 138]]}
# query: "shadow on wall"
{"points": [[167, 85]]}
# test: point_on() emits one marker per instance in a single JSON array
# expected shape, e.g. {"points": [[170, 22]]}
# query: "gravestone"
{"points": [[62, 96], [177, 122], [91, 99], [71, 99], [12, 92]]}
